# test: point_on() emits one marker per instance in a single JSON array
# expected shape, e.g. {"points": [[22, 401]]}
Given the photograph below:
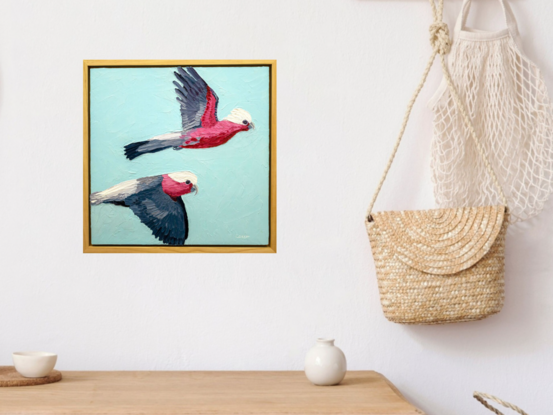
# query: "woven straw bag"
{"points": [[442, 265], [481, 397]]}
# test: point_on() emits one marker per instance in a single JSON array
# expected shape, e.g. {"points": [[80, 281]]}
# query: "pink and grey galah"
{"points": [[200, 126], [157, 202]]}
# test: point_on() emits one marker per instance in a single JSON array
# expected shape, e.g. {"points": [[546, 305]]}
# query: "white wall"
{"points": [[346, 69]]}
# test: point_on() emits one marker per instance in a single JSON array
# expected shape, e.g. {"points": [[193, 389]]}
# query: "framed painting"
{"points": [[179, 156]]}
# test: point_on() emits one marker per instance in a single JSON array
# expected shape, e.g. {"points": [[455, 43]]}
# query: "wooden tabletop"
{"points": [[213, 393]]}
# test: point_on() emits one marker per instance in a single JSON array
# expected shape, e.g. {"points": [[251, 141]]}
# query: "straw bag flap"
{"points": [[438, 241]]}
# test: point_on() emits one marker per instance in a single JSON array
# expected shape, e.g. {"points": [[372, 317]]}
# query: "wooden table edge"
{"points": [[95, 376]]}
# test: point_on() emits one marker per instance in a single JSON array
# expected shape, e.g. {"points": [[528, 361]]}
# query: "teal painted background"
{"points": [[134, 104]]}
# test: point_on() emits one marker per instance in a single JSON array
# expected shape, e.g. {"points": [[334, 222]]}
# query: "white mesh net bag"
{"points": [[508, 103]]}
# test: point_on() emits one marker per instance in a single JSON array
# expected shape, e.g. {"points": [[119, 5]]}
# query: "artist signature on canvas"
{"points": [[243, 236]]}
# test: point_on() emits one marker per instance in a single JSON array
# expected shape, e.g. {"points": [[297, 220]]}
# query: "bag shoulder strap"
{"points": [[441, 45], [481, 397]]}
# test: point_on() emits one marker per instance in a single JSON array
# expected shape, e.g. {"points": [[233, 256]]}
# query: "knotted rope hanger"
{"points": [[441, 45]]}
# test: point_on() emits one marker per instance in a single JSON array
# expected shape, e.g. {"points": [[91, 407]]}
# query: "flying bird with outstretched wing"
{"points": [[200, 126], [157, 202]]}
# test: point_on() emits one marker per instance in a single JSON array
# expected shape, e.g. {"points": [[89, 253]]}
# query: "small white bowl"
{"points": [[34, 364]]}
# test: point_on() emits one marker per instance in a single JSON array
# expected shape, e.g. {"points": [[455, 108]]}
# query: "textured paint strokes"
{"points": [[156, 201], [129, 104], [200, 125], [117, 192]]}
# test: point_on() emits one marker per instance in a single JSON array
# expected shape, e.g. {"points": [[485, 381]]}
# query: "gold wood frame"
{"points": [[87, 245]]}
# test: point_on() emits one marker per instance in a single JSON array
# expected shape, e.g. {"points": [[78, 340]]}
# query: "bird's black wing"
{"points": [[165, 217], [196, 99]]}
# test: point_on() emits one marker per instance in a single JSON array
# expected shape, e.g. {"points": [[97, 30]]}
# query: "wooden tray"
{"points": [[10, 377]]}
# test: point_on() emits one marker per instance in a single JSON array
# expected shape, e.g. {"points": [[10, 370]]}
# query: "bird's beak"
{"points": [[251, 125], [195, 189]]}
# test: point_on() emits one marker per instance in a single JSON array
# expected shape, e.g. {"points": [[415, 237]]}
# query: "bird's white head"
{"points": [[183, 176], [240, 116], [187, 178]]}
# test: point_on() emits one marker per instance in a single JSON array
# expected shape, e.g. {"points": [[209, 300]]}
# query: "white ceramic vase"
{"points": [[325, 364]]}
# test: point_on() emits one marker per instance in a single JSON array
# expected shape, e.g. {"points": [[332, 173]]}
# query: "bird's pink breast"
{"points": [[173, 188], [214, 136]]}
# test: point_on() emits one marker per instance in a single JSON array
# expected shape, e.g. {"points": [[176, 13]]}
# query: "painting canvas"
{"points": [[180, 156]]}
